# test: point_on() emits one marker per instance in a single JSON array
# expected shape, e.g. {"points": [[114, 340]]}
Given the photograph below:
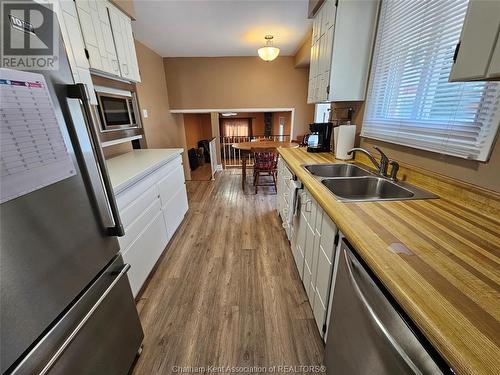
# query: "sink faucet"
{"points": [[384, 160], [394, 170]]}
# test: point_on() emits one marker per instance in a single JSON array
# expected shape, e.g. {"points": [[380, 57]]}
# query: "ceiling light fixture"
{"points": [[268, 52], [227, 114]]}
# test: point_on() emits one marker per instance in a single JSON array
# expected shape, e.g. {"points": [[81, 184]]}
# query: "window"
{"points": [[410, 101], [236, 127]]}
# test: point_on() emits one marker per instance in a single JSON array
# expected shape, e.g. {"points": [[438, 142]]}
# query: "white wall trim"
{"points": [[208, 110], [231, 110]]}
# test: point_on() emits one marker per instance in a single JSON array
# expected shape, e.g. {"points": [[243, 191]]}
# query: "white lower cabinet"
{"points": [[174, 210], [151, 211], [143, 253], [313, 243]]}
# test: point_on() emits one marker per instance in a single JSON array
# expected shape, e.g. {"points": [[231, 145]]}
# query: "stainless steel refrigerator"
{"points": [[66, 303]]}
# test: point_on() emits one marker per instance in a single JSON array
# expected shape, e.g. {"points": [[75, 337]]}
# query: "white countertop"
{"points": [[127, 169]]}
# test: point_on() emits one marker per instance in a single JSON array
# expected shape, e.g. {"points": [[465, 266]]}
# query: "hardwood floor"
{"points": [[227, 293]]}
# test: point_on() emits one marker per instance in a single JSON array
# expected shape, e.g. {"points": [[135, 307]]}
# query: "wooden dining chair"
{"points": [[265, 164]]}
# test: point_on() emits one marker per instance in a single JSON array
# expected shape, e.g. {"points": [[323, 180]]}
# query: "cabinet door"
{"points": [[301, 232], [353, 35], [143, 253], [315, 32], [175, 210], [132, 56], [96, 30], [329, 14], [109, 53], [87, 16], [121, 26], [477, 40], [116, 18]]}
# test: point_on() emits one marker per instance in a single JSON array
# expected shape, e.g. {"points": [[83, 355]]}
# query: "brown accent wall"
{"points": [[126, 6], [239, 82], [197, 126], [485, 175], [302, 58]]}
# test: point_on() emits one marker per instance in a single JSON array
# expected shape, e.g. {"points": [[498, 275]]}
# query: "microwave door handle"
{"points": [[79, 91]]}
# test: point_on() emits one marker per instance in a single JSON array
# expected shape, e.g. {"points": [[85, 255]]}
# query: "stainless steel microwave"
{"points": [[118, 109]]}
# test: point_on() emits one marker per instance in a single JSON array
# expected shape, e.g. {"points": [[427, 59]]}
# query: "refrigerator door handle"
{"points": [[378, 323], [79, 91], [82, 323]]}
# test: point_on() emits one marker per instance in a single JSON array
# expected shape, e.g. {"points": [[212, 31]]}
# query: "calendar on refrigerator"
{"points": [[33, 151]]}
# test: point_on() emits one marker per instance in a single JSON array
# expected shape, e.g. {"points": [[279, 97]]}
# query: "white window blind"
{"points": [[410, 101]]}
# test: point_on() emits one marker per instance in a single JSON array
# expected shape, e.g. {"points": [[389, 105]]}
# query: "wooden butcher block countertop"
{"points": [[449, 282]]}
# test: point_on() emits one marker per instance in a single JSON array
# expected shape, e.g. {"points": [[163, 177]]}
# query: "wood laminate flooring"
{"points": [[202, 173], [227, 292]]}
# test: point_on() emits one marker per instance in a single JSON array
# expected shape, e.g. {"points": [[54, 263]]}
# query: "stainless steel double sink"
{"points": [[351, 183]]}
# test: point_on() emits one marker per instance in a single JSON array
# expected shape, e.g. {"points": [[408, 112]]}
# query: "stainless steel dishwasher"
{"points": [[368, 333]]}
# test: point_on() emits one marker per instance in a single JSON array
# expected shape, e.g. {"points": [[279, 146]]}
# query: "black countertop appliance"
{"points": [[319, 140]]}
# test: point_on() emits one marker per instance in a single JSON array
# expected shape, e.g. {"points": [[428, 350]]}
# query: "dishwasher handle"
{"points": [[376, 320]]}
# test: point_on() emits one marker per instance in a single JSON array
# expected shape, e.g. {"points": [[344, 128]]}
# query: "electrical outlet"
{"points": [[145, 113]]}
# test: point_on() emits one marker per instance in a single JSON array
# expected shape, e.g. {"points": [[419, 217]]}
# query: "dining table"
{"points": [[246, 147]]}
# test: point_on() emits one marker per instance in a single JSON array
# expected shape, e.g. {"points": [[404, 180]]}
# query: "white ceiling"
{"points": [[193, 28]]}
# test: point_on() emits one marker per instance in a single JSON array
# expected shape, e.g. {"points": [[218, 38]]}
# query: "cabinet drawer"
{"points": [[135, 208], [170, 184], [140, 222], [328, 233], [124, 198], [145, 251], [175, 210]]}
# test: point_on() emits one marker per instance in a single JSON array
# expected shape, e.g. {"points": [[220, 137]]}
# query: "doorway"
{"points": [[237, 127], [198, 131]]}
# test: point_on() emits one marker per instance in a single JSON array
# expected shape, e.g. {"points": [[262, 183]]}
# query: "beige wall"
{"points": [[239, 82], [486, 175], [162, 129], [115, 150]]}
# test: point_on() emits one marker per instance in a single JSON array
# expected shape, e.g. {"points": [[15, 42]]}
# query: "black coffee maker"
{"points": [[319, 140]]}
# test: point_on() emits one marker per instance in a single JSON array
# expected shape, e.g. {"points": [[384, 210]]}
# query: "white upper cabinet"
{"points": [[107, 33], [73, 42], [121, 26], [342, 43], [477, 56]]}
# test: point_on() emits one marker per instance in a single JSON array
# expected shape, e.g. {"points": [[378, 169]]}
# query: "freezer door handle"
{"points": [[378, 322], [79, 91], [82, 323]]}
